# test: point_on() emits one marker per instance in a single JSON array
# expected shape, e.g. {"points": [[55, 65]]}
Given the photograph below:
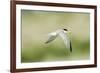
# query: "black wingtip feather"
{"points": [[70, 47]]}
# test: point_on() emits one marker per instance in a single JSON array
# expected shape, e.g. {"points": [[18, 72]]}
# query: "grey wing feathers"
{"points": [[51, 38], [66, 40]]}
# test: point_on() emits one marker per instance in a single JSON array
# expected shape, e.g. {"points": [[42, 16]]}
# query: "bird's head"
{"points": [[66, 30]]}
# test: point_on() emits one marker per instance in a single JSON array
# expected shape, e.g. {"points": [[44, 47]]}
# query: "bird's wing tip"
{"points": [[70, 47]]}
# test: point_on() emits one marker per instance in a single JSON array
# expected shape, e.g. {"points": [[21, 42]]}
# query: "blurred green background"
{"points": [[37, 24]]}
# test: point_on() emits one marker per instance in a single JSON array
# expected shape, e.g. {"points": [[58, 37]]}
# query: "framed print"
{"points": [[52, 36]]}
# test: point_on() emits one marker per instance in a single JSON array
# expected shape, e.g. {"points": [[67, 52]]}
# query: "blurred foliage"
{"points": [[37, 24]]}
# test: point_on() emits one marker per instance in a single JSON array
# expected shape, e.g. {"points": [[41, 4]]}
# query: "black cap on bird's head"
{"points": [[65, 29]]}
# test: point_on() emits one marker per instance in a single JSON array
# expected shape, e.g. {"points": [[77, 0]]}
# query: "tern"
{"points": [[63, 34]]}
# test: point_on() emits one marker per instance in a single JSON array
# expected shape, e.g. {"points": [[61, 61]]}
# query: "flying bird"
{"points": [[63, 34]]}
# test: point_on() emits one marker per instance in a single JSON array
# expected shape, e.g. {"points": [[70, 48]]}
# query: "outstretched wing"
{"points": [[52, 37], [66, 40]]}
